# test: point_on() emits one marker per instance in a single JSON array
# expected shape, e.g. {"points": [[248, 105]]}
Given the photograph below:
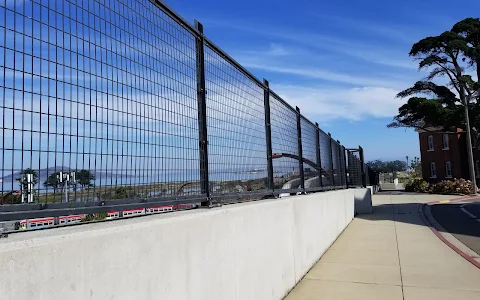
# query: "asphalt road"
{"points": [[461, 220]]}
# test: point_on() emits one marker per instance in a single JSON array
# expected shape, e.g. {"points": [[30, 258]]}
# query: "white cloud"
{"points": [[275, 50], [326, 104], [368, 51], [401, 34], [323, 74]]}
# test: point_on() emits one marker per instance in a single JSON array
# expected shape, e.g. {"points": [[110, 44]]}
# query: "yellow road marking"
{"points": [[444, 201]]}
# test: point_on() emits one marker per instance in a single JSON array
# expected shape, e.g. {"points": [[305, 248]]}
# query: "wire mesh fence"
{"points": [[355, 168], [123, 103], [337, 171], [343, 166], [326, 160], [310, 153], [236, 128], [107, 90], [286, 167], [373, 178]]}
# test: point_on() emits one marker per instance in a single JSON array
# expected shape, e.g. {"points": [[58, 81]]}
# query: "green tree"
{"points": [[387, 166], [52, 182], [449, 56], [85, 178], [396, 165], [416, 167], [23, 184], [377, 165]]}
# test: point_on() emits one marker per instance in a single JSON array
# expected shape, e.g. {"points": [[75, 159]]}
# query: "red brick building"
{"points": [[444, 156]]}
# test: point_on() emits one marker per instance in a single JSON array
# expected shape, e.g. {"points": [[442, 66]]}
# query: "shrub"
{"points": [[456, 186], [122, 192], [95, 217], [417, 185]]}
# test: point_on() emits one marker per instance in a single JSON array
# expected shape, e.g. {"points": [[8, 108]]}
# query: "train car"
{"points": [[70, 219], [133, 212], [63, 220], [37, 223], [113, 215], [158, 209], [184, 206]]}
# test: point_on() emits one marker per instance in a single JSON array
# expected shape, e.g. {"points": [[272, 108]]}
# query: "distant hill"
{"points": [[44, 173]]}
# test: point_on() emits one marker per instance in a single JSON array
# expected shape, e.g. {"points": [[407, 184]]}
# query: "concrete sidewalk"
{"points": [[390, 255]]}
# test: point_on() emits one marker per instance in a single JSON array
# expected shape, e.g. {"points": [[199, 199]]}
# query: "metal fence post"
{"points": [[331, 159], [362, 167], [346, 168], [202, 115], [339, 159], [318, 154], [268, 134], [300, 150]]}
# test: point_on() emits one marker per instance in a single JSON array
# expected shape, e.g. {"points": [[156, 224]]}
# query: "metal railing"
{"points": [[113, 105]]}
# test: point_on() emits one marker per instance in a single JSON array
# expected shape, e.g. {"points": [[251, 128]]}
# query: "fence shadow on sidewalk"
{"points": [[450, 216]]}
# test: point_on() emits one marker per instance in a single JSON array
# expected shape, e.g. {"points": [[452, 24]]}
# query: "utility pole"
{"points": [[27, 188], [471, 164], [66, 179]]}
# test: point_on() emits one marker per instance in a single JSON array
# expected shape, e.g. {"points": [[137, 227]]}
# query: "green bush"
{"points": [[95, 217], [122, 192], [445, 187], [417, 185], [456, 186]]}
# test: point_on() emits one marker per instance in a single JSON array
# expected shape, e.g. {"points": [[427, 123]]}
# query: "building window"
{"points": [[446, 145], [430, 143], [448, 169], [433, 170]]}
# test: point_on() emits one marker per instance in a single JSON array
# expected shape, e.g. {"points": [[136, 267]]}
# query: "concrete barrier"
{"points": [[257, 250], [374, 189], [363, 200], [391, 186]]}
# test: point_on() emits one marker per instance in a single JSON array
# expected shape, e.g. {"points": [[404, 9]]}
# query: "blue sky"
{"points": [[341, 62]]}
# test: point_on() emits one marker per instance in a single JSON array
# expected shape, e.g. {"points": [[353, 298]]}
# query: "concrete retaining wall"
{"points": [[363, 201], [374, 189], [256, 250]]}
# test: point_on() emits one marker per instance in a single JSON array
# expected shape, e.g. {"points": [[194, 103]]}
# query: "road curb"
{"points": [[452, 200], [462, 253]]}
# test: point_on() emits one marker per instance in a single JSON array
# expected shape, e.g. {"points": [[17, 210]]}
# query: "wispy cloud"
{"points": [[324, 75], [380, 30], [375, 53], [326, 104], [307, 64], [275, 50]]}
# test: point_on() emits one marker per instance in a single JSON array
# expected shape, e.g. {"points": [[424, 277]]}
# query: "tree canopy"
{"points": [[453, 55], [387, 166], [84, 178], [52, 182]]}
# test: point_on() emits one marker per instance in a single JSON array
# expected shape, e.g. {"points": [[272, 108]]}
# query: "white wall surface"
{"points": [[257, 250], [363, 201]]}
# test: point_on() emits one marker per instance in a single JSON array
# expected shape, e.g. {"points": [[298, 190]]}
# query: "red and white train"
{"points": [[71, 219], [50, 221]]}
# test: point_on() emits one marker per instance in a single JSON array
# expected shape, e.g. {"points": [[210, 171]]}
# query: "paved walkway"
{"points": [[390, 255]]}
